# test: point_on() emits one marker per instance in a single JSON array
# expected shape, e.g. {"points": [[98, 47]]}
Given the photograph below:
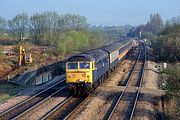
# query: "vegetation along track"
{"points": [[28, 103], [125, 102]]}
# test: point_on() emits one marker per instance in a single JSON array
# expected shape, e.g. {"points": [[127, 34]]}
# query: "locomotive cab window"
{"points": [[85, 65], [72, 65]]}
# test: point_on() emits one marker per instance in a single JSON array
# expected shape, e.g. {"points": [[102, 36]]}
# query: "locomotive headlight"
{"points": [[73, 75], [81, 80]]}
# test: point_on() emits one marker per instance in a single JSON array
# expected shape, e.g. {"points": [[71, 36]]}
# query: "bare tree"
{"points": [[52, 29], [18, 26], [72, 22], [155, 24], [37, 27]]}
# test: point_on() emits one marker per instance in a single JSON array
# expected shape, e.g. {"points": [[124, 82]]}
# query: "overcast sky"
{"points": [[97, 12]]}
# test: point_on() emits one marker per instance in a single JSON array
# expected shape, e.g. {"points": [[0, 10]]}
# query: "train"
{"points": [[85, 71]]}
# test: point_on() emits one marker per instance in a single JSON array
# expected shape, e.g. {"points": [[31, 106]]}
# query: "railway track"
{"points": [[69, 105], [125, 102], [38, 98], [66, 108], [35, 112]]}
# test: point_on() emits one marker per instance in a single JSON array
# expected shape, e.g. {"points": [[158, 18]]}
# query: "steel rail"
{"points": [[50, 114], [129, 78], [77, 107], [139, 87], [36, 105], [56, 108], [10, 110]]}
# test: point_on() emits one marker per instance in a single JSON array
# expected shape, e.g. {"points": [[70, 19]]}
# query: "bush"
{"points": [[61, 48], [95, 40], [72, 42], [167, 45], [173, 79], [49, 53], [26, 45], [77, 41]]}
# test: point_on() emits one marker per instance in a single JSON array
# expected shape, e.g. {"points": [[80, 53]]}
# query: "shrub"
{"points": [[173, 79], [26, 45]]}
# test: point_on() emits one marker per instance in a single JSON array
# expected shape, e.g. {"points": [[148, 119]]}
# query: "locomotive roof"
{"points": [[93, 55], [114, 46]]}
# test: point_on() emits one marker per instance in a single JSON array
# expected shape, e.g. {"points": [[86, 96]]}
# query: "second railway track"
{"points": [[125, 102]]}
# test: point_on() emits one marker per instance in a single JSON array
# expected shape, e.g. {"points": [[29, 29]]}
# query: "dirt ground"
{"points": [[151, 75], [41, 56]]}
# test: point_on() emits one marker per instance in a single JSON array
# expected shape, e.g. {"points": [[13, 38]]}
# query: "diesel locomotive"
{"points": [[85, 71]]}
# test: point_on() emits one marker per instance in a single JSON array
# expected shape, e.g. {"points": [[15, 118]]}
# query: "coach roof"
{"points": [[92, 55], [114, 46]]}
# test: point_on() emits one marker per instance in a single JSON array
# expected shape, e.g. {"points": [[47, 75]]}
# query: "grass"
{"points": [[9, 90]]}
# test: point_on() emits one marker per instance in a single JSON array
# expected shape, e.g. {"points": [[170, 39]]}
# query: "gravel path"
{"points": [[25, 94], [147, 107], [151, 75]]}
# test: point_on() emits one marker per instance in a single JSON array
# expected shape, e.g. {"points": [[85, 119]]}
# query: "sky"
{"points": [[97, 12]]}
